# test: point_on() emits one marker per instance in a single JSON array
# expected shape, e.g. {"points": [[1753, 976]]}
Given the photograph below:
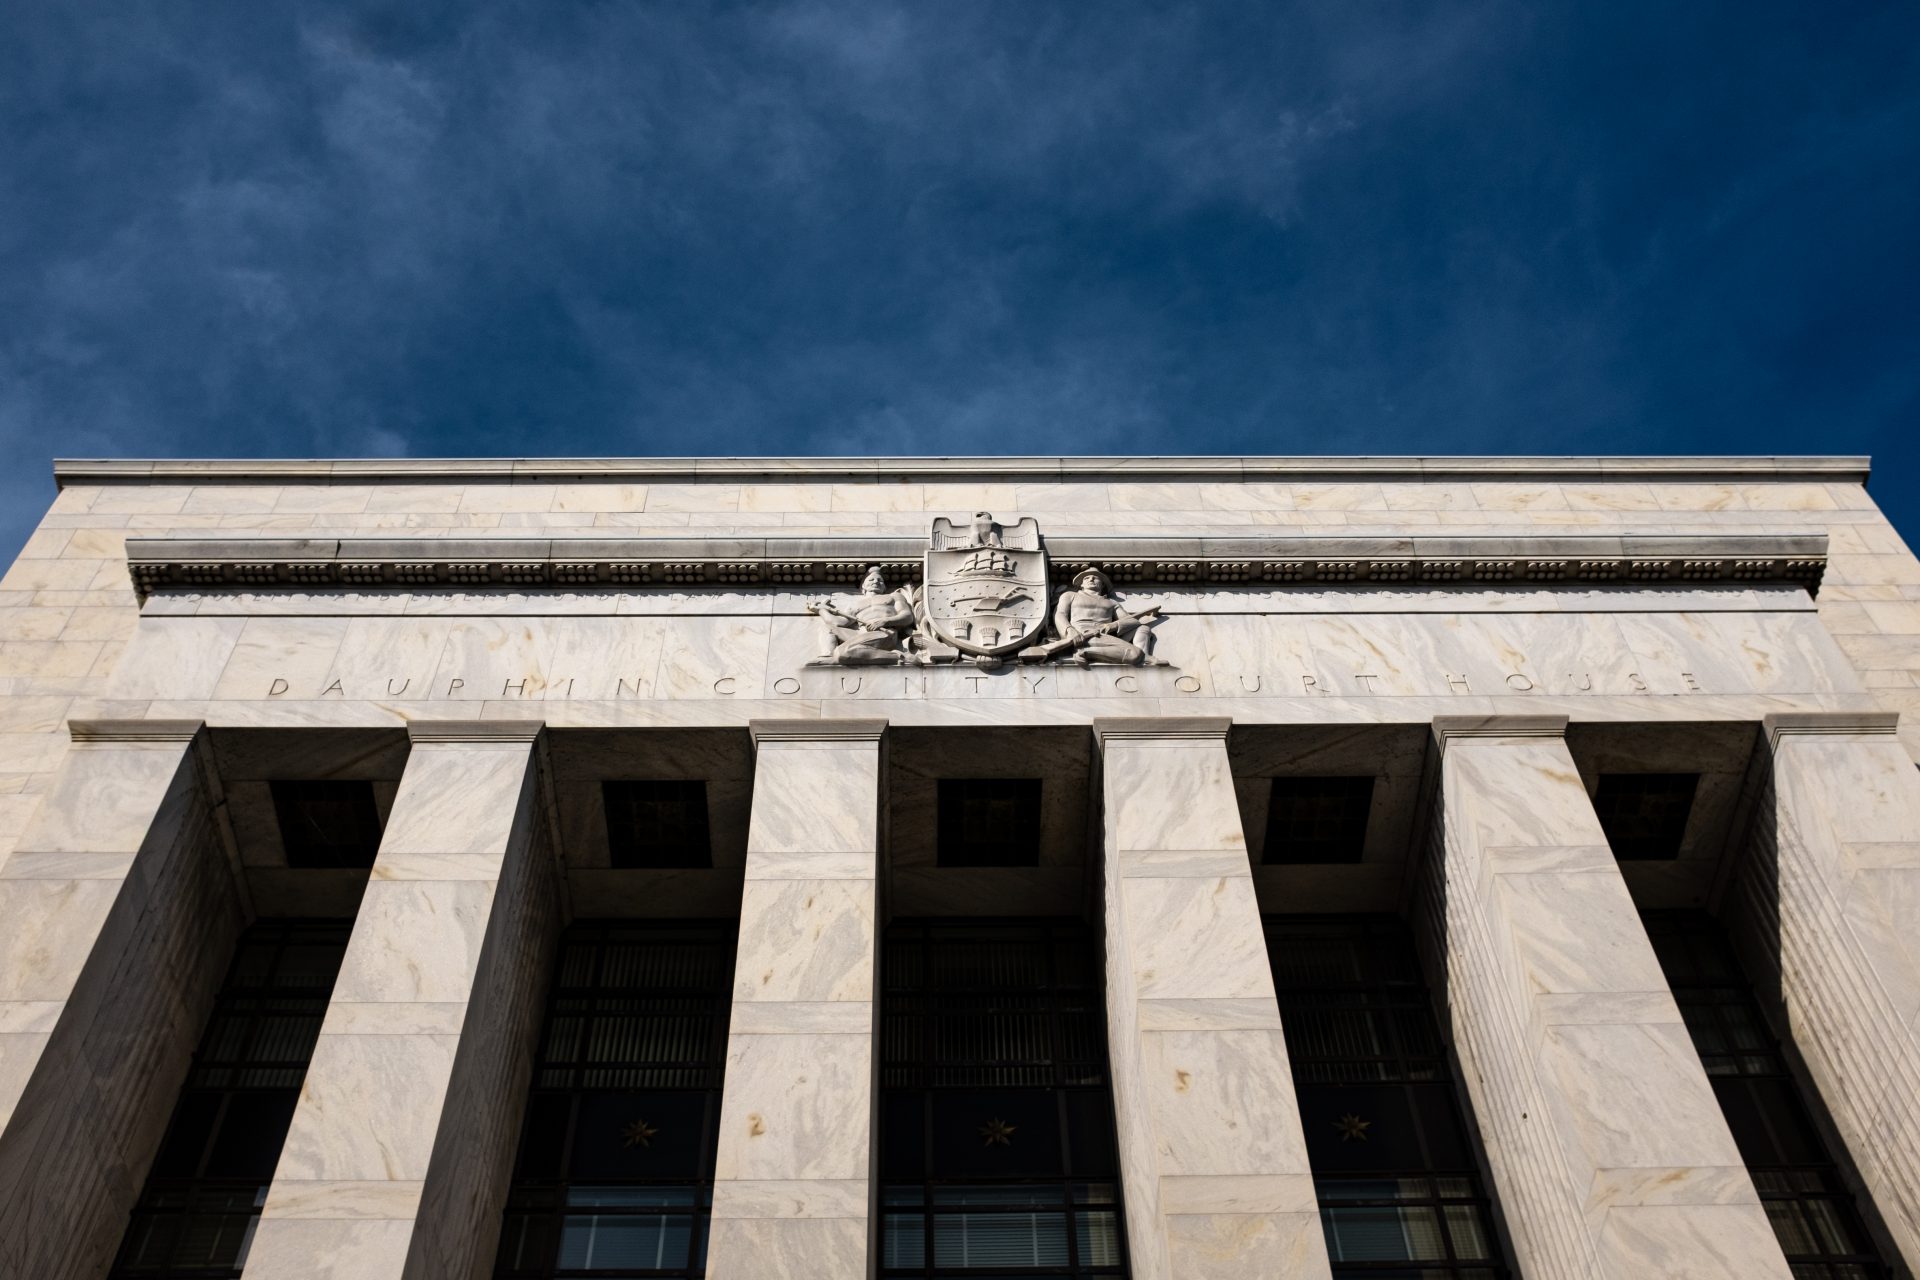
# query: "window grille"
{"points": [[1645, 815], [615, 1172], [989, 822], [1400, 1193], [1317, 820], [325, 824], [996, 1129], [196, 1217], [1812, 1212], [657, 824]]}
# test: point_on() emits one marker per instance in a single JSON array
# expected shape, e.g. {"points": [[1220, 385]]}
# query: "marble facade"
{"points": [[793, 1173], [1828, 913], [1217, 1181], [1601, 1130], [488, 641], [397, 1160]]}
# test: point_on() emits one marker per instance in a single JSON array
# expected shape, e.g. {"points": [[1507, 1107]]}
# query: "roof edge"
{"points": [[68, 471]]}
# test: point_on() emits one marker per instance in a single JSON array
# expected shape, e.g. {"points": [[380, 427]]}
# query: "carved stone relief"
{"points": [[985, 600], [871, 628]]}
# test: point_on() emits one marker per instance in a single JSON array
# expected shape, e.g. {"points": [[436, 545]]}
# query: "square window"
{"points": [[657, 824], [989, 822], [1317, 820], [1645, 814], [327, 824]]}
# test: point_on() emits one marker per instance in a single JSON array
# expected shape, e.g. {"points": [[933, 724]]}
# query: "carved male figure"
{"points": [[868, 629], [1094, 626]]}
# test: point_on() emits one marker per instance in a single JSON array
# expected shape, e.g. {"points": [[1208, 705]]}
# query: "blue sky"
{"points": [[951, 227]]}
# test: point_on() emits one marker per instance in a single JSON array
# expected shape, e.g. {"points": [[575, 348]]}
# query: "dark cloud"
{"points": [[584, 228]]}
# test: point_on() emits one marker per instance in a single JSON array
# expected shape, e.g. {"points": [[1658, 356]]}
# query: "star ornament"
{"points": [[1352, 1128], [997, 1133], [638, 1134]]}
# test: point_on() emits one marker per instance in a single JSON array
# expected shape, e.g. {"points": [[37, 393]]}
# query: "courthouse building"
{"points": [[1167, 868]]}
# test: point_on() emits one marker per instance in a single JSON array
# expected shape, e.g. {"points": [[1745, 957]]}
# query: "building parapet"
{"points": [[957, 469]]}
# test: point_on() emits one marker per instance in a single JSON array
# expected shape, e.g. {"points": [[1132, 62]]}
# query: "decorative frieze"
{"points": [[159, 564]]}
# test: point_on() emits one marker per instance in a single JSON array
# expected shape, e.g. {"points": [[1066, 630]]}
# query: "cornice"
{"points": [[420, 731], [134, 730], [822, 729], [1830, 724], [962, 469], [1161, 728], [404, 564], [1447, 728]]}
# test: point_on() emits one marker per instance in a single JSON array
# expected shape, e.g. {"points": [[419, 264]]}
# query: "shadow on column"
{"points": [[615, 1169], [1394, 1162], [614, 1166], [305, 811], [1694, 823], [1333, 816]]}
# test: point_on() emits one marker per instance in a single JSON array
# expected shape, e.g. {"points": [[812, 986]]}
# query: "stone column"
{"points": [[792, 1196], [1607, 1148], [1827, 906], [118, 913], [400, 1152], [1214, 1163]]}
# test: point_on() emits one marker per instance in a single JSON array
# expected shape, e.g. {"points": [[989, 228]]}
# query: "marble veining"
{"points": [[1824, 906], [796, 1114], [1603, 1134], [1203, 1095], [118, 891], [435, 983]]}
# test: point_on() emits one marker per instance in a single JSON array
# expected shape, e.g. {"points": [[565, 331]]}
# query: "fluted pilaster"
{"points": [[1607, 1147]]}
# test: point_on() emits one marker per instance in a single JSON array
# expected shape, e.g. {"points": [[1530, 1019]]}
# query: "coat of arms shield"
{"points": [[986, 585]]}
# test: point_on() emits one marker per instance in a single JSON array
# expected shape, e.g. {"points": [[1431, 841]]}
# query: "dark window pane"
{"points": [[903, 1142], [996, 1122], [186, 1145], [1467, 1228], [657, 824], [204, 1192], [904, 1241], [1000, 1133], [1000, 1240], [1097, 1236], [989, 822], [602, 1242], [1385, 1134], [1383, 1234], [251, 1133], [1090, 1134], [1645, 814], [544, 1145], [149, 1244], [615, 1170], [526, 1241], [1440, 1125], [639, 1136], [327, 824], [1812, 1214], [1313, 820]]}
